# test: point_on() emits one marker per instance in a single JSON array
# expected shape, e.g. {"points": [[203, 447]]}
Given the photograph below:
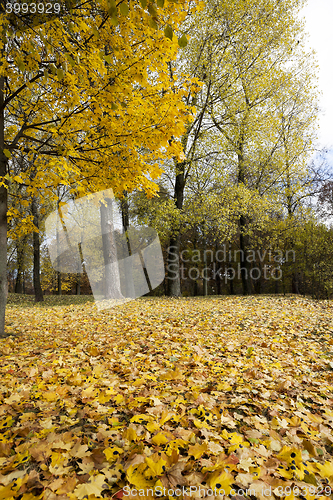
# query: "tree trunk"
{"points": [[231, 287], [58, 275], [112, 279], [295, 283], [243, 243], [18, 288], [243, 261], [58, 283], [173, 267], [80, 276], [217, 279], [231, 281], [216, 274], [36, 244], [3, 214], [125, 214], [78, 284], [173, 277], [205, 280], [195, 288], [128, 269], [20, 248]]}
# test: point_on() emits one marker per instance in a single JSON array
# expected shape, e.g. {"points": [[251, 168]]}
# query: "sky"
{"points": [[318, 16]]}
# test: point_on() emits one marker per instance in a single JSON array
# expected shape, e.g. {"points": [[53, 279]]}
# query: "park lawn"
{"points": [[231, 393]]}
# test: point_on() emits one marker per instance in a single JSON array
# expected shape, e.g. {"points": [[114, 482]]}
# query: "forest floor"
{"points": [[195, 397]]}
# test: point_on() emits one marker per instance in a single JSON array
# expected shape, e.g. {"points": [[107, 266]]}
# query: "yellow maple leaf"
{"points": [[21, 458], [197, 450], [291, 455], [287, 474], [112, 453], [326, 470], [138, 382], [50, 396], [200, 425], [224, 386], [6, 423], [291, 496], [31, 496], [255, 471], [152, 426], [136, 476], [142, 418], [89, 393], [158, 467], [130, 435], [94, 486], [221, 481], [165, 416], [6, 493], [159, 439], [119, 398], [93, 351]]}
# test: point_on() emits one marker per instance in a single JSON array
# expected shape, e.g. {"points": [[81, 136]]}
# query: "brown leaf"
{"points": [[174, 476]]}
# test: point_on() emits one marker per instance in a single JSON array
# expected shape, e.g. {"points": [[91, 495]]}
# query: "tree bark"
{"points": [[195, 288], [80, 276], [58, 248], [218, 280], [78, 284], [295, 283], [174, 289], [231, 281], [243, 239], [173, 267], [20, 248], [112, 279], [243, 243], [36, 245], [129, 285], [217, 275], [58, 283], [205, 280], [3, 213], [231, 287]]}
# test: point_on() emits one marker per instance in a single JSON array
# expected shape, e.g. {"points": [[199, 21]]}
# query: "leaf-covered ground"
{"points": [[187, 397]]}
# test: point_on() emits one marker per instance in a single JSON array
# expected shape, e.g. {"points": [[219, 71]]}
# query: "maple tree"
{"points": [[90, 91], [232, 393]]}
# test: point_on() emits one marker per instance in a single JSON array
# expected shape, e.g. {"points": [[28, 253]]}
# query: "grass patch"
{"points": [[24, 300]]}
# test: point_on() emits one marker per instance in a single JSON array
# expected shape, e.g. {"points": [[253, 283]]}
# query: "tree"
{"points": [[36, 245], [112, 279], [326, 198], [249, 56], [90, 91]]}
